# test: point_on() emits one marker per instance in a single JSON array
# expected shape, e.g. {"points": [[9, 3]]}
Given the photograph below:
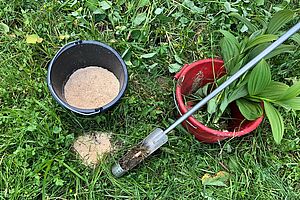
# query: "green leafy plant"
{"points": [[255, 88]]}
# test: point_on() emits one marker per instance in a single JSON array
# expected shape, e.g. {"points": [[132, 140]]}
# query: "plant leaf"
{"points": [[293, 103], [217, 180], [4, 28], [143, 3], [33, 39], [203, 91], [212, 105], [279, 20], [158, 11], [244, 20], [260, 2], [105, 5], [296, 38], [279, 50], [275, 120], [260, 40], [139, 19], [224, 103], [148, 55], [260, 78], [230, 37], [237, 94], [191, 5], [273, 91], [250, 110], [292, 91], [174, 67], [230, 50], [177, 58]]}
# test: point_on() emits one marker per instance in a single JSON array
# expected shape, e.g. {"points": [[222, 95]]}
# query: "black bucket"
{"points": [[80, 54]]}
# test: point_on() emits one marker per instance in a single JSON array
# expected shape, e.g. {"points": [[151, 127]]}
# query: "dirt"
{"points": [[91, 87], [92, 147], [133, 157]]}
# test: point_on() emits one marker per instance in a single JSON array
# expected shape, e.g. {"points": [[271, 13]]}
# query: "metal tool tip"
{"points": [[117, 170]]}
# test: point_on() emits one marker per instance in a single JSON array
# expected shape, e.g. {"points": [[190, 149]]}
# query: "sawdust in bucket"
{"points": [[92, 147], [91, 87]]}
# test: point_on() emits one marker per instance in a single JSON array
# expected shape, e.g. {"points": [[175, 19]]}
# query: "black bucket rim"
{"points": [[87, 112]]}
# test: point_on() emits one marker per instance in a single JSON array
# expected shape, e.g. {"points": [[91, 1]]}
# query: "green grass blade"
{"points": [[276, 121]]}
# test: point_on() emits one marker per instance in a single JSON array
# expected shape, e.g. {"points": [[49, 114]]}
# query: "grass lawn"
{"points": [[36, 134]]}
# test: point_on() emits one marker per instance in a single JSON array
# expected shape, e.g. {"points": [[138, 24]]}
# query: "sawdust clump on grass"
{"points": [[92, 147]]}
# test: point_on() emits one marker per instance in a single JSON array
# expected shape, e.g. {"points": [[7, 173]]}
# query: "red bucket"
{"points": [[195, 75]]}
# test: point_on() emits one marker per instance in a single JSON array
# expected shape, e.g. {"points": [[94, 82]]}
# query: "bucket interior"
{"points": [[197, 75], [200, 74], [81, 55]]}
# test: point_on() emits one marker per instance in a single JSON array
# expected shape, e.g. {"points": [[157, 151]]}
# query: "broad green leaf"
{"points": [[291, 92], [244, 79], [224, 105], [263, 23], [296, 38], [279, 20], [177, 58], [143, 3], [230, 50], [105, 5], [250, 110], [212, 105], [93, 5], [4, 28], [275, 120], [191, 5], [56, 129], [260, 78], [227, 6], [217, 180], [260, 2], [236, 66], [230, 37], [260, 40], [293, 103], [279, 50], [244, 20], [174, 67], [158, 11], [243, 44], [273, 91], [33, 39], [148, 55], [237, 94], [139, 19], [244, 28], [203, 91]]}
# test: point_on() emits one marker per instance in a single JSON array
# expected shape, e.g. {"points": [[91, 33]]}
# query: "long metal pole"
{"points": [[238, 74]]}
